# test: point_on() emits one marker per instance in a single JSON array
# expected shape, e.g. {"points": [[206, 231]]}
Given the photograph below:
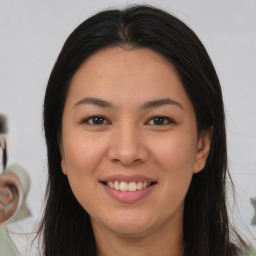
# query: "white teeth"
{"points": [[124, 186], [110, 184], [131, 186], [116, 185], [139, 185]]}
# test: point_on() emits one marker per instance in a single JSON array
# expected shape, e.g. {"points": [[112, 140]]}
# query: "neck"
{"points": [[164, 242]]}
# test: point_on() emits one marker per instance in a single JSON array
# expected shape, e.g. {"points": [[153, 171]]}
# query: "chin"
{"points": [[129, 224], [129, 230]]}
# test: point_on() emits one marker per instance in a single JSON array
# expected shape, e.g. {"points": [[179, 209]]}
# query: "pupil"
{"points": [[98, 120], [159, 120]]}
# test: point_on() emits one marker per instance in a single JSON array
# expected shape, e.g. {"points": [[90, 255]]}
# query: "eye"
{"points": [[96, 120], [160, 120]]}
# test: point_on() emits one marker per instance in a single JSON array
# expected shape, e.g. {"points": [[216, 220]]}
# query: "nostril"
{"points": [[127, 152]]}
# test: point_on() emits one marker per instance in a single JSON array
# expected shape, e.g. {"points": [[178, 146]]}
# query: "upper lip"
{"points": [[127, 178]]}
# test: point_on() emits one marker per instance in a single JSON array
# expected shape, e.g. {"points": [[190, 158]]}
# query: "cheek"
{"points": [[82, 156], [176, 158], [83, 153], [176, 153]]}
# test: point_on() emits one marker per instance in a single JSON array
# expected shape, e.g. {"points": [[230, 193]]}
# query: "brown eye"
{"points": [[96, 120], [160, 120]]}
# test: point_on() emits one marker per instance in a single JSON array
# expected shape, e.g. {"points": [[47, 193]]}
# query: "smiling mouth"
{"points": [[128, 186]]}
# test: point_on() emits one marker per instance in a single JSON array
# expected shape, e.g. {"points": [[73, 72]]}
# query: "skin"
{"points": [[129, 141]]}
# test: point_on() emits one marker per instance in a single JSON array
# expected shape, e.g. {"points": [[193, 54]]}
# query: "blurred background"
{"points": [[32, 33]]}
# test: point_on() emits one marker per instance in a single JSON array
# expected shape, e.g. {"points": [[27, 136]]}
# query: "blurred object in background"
{"points": [[14, 187], [3, 131], [253, 202], [3, 124]]}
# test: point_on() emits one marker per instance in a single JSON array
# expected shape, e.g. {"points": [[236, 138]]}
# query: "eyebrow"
{"points": [[95, 101], [146, 105], [161, 102]]}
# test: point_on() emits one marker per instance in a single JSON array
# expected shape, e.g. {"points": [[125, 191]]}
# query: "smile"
{"points": [[128, 189], [128, 186]]}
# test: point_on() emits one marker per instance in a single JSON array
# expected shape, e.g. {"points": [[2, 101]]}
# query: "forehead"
{"points": [[121, 75], [129, 63]]}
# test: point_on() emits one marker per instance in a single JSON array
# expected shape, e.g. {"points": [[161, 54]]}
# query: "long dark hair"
{"points": [[66, 226]]}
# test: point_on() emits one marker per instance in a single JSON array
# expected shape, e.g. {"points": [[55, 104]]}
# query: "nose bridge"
{"points": [[127, 144]]}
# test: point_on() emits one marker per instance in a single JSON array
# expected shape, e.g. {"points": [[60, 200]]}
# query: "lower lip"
{"points": [[126, 196]]}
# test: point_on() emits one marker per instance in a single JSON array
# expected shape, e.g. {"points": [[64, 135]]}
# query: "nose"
{"points": [[128, 147]]}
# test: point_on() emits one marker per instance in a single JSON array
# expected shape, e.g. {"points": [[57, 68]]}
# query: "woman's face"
{"points": [[129, 142]]}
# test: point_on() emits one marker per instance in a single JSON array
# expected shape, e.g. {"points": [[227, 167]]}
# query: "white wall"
{"points": [[32, 34]]}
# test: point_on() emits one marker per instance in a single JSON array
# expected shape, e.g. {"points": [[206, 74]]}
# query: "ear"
{"points": [[63, 161], [63, 166], [203, 149]]}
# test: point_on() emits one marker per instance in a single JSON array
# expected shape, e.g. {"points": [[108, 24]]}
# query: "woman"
{"points": [[135, 133]]}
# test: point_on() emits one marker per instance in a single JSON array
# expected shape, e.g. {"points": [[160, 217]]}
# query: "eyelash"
{"points": [[166, 120], [169, 120], [86, 121]]}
